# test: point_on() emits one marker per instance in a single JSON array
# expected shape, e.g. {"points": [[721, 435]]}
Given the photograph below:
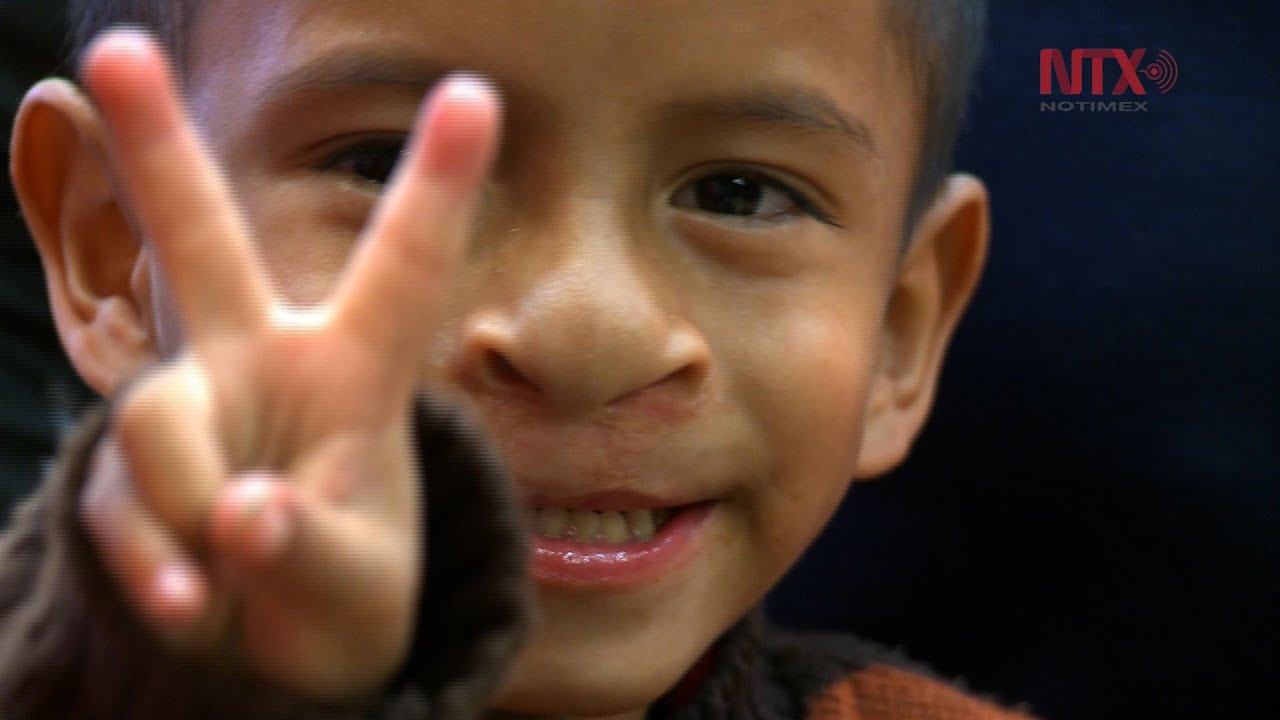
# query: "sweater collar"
{"points": [[730, 680]]}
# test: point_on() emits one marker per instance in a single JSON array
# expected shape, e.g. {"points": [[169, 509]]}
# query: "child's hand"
{"points": [[258, 494]]}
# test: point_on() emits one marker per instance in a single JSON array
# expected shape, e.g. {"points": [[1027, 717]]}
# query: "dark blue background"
{"points": [[1091, 521]]}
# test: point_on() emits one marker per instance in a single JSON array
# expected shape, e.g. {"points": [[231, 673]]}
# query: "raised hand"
{"points": [[257, 494]]}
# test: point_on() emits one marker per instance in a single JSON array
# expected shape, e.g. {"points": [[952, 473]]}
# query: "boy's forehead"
{"points": [[821, 62], [570, 21]]}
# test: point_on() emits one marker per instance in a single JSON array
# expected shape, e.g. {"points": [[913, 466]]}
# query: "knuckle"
{"points": [[163, 399], [137, 410]]}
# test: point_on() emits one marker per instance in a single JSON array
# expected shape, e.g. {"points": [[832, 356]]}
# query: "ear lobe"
{"points": [[934, 285], [87, 246]]}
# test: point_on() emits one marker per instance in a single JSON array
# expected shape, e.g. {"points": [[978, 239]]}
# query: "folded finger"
{"points": [[154, 573], [165, 426], [319, 586], [299, 545], [174, 186]]}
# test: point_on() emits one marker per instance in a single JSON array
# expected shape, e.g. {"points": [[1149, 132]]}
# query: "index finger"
{"points": [[174, 186], [390, 292]]}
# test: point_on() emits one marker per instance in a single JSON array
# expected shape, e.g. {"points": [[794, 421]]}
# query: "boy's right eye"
{"points": [[371, 160]]}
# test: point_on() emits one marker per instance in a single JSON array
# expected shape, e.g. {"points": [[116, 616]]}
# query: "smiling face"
{"points": [[685, 288], [676, 285]]}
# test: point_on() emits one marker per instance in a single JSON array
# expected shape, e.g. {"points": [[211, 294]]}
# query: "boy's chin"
{"points": [[612, 677], [538, 696], [612, 652], [540, 700]]}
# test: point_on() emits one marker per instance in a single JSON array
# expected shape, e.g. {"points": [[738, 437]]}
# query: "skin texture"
{"points": [[607, 331]]}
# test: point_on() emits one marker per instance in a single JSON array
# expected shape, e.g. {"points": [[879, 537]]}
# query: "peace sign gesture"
{"points": [[257, 493]]}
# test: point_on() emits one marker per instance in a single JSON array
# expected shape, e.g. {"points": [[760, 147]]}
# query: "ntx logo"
{"points": [[1102, 73]]}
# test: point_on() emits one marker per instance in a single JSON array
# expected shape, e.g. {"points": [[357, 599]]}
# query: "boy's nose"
{"points": [[585, 336]]}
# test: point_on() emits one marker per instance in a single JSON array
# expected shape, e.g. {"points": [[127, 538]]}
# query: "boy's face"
{"points": [[684, 282]]}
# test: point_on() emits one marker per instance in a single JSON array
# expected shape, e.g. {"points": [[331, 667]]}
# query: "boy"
{"points": [[703, 281]]}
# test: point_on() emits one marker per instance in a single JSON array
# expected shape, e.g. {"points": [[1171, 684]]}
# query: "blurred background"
{"points": [[39, 392], [1090, 523]]}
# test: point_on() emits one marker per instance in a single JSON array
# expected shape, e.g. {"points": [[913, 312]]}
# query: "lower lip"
{"points": [[579, 565]]}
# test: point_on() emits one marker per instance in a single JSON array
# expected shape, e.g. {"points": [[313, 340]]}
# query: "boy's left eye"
{"points": [[370, 160], [745, 197]]}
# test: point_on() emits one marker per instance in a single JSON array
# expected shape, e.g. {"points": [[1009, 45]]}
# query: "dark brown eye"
{"points": [[369, 160], [738, 195], [745, 197]]}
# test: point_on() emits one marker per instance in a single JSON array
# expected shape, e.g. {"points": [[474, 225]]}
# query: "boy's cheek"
{"points": [[808, 386], [813, 429], [789, 515]]}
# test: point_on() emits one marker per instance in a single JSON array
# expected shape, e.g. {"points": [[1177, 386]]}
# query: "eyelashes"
{"points": [[371, 160], [739, 196], [746, 196]]}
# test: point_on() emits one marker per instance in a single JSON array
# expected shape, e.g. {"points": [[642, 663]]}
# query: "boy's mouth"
{"points": [[610, 527], [614, 544]]}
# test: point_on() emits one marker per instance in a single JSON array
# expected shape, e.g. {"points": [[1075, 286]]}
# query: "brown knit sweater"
{"points": [[71, 649]]}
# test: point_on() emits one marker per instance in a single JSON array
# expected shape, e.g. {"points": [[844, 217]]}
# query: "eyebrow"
{"points": [[804, 108], [346, 69]]}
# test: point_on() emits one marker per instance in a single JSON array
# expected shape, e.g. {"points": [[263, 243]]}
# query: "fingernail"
{"points": [[250, 495], [456, 145], [272, 532], [468, 87], [124, 39], [263, 520], [176, 585]]}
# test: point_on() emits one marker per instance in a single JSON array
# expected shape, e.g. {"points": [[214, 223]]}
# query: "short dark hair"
{"points": [[169, 20], [941, 39]]}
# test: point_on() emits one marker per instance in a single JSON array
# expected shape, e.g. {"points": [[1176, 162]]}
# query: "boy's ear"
{"points": [[93, 263], [935, 280]]}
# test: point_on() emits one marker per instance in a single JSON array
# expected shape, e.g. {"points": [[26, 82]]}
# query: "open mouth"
{"points": [[611, 527], [615, 549]]}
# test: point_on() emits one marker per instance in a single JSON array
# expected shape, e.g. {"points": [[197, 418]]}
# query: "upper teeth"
{"points": [[590, 526]]}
